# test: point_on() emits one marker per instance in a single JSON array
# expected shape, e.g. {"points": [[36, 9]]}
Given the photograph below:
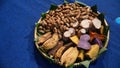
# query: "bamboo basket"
{"points": [[75, 64]]}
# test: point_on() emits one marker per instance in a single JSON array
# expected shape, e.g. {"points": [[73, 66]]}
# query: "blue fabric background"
{"points": [[17, 22]]}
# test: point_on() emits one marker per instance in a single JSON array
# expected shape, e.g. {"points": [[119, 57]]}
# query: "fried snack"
{"points": [[61, 50], [74, 39], [51, 43], [93, 52], [44, 37], [69, 56], [54, 50]]}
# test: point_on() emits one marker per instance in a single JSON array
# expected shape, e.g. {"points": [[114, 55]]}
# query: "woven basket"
{"points": [[75, 64]]}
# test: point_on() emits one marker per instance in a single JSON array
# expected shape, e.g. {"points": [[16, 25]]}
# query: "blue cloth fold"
{"points": [[17, 22]]}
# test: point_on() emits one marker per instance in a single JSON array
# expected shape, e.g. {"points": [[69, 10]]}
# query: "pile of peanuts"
{"points": [[65, 17]]}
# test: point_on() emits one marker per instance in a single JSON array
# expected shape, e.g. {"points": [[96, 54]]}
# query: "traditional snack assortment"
{"points": [[71, 33]]}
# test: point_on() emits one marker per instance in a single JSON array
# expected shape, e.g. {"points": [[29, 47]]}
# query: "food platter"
{"points": [[72, 36]]}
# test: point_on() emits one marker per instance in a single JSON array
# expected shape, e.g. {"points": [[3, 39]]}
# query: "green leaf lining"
{"points": [[106, 30], [86, 63], [65, 1], [80, 3], [37, 24], [36, 39], [101, 17], [102, 50], [94, 8], [43, 15], [53, 7], [71, 66]]}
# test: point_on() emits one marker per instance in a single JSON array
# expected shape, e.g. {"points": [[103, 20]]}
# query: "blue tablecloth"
{"points": [[17, 22]]}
